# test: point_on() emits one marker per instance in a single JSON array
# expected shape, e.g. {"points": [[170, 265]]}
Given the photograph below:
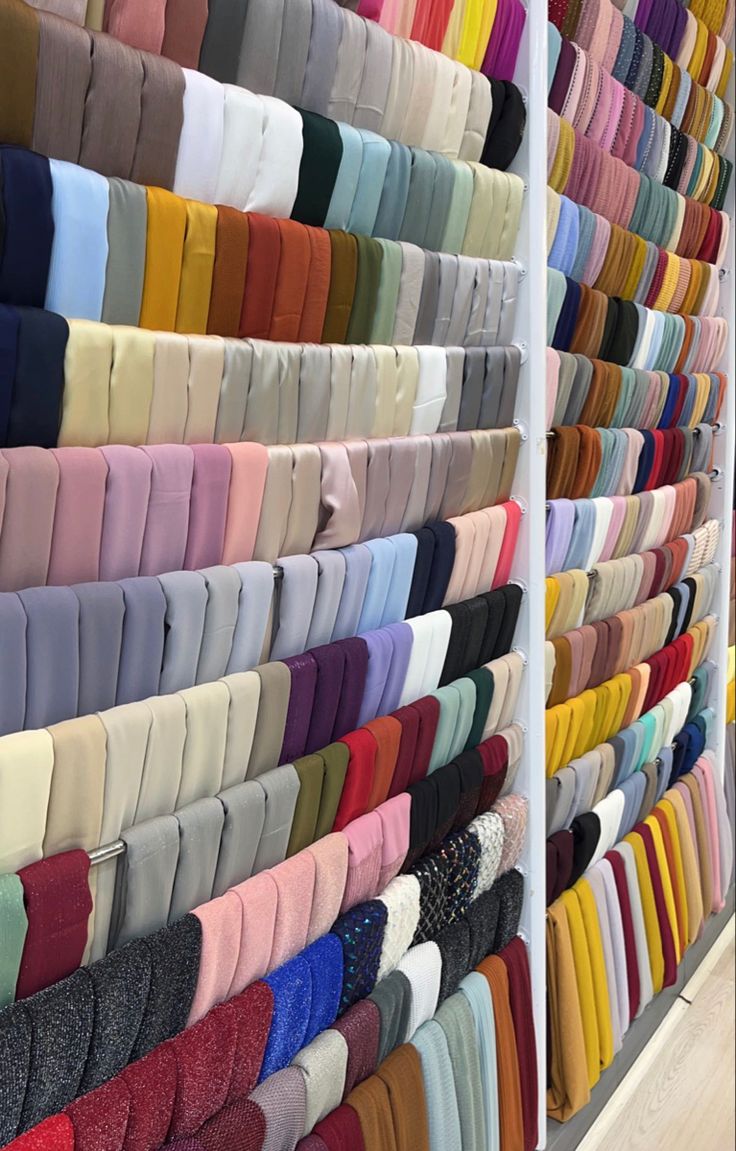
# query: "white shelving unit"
{"points": [[532, 76]]}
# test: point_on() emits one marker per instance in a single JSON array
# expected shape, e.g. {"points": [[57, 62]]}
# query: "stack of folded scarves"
{"points": [[590, 462], [691, 51], [694, 225], [636, 238], [220, 780], [87, 385], [487, 40], [117, 222], [294, 791], [717, 17], [616, 937], [619, 778], [301, 871], [582, 722], [584, 246], [584, 320], [287, 804], [73, 650], [150, 258], [582, 533], [602, 395], [171, 506], [484, 37], [452, 897], [480, 1031], [368, 79], [577, 597], [620, 121], [586, 656]]}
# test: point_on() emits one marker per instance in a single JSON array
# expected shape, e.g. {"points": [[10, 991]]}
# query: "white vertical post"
{"points": [[530, 489]]}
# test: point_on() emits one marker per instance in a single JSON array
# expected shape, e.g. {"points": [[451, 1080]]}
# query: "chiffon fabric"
{"points": [[615, 396], [153, 775], [164, 261], [203, 389], [291, 1007], [372, 75], [487, 39], [129, 492]]}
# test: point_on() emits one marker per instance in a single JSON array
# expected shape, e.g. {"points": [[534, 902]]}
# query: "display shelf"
{"points": [[568, 1136]]}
